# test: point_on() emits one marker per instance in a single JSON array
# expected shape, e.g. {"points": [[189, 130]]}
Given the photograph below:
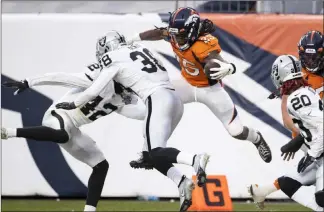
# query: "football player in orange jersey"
{"points": [[311, 55], [196, 49]]}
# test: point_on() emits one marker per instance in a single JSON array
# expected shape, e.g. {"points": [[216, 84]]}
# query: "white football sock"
{"points": [[253, 136], [306, 197], [12, 132], [185, 158], [269, 189], [89, 208], [175, 175]]}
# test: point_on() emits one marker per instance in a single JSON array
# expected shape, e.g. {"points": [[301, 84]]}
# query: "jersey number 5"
{"points": [[151, 64], [299, 102]]}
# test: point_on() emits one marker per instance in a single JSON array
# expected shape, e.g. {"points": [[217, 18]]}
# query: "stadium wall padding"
{"points": [[34, 44]]}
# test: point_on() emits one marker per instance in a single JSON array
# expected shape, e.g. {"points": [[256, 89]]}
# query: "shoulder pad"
{"points": [[92, 71], [204, 45], [207, 38]]}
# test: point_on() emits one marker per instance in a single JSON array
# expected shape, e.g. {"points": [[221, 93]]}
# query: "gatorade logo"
{"points": [[213, 196]]}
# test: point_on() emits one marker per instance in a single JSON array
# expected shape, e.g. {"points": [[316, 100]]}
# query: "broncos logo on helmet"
{"points": [[184, 25]]}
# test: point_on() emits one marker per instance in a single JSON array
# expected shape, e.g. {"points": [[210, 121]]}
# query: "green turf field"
{"points": [[124, 205]]}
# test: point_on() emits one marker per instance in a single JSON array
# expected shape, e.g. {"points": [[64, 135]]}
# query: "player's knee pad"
{"points": [[288, 185], [319, 197]]}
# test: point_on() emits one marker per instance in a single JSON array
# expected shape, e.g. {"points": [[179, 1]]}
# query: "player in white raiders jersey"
{"points": [[136, 68], [62, 126], [305, 108]]}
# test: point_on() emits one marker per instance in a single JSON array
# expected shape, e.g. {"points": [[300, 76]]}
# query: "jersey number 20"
{"points": [[151, 64], [299, 102]]}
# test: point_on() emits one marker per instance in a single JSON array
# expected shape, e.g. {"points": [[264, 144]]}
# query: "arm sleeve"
{"points": [[61, 79], [98, 86]]}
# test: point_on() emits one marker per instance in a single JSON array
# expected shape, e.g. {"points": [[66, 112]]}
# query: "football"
{"points": [[209, 65]]}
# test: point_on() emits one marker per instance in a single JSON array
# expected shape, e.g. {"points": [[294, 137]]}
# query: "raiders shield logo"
{"points": [[102, 41]]}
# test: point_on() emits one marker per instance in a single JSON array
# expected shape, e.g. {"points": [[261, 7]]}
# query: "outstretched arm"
{"points": [[97, 87], [153, 34], [94, 90], [59, 78], [288, 123]]}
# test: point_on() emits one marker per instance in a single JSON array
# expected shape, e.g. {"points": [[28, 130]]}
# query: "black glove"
{"points": [[66, 105], [288, 155], [19, 85], [293, 145], [304, 163], [275, 94]]}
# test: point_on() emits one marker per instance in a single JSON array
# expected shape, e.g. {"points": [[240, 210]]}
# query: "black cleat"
{"points": [[264, 149], [142, 163]]}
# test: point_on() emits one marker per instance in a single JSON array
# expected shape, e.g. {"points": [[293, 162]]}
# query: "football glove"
{"points": [[19, 85], [288, 155], [304, 163], [66, 105], [274, 95], [293, 145], [222, 71]]}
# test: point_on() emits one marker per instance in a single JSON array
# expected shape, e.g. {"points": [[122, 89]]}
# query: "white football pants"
{"points": [[215, 98], [164, 110]]}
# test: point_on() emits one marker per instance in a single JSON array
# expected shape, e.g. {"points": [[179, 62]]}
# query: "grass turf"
{"points": [[126, 205]]}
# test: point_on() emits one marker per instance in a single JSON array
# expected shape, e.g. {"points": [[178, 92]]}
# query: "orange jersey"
{"points": [[192, 59], [315, 81]]}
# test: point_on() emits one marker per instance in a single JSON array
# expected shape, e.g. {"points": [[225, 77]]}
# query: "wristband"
{"points": [[136, 37]]}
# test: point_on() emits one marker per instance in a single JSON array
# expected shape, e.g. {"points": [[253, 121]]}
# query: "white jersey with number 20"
{"points": [[306, 109]]}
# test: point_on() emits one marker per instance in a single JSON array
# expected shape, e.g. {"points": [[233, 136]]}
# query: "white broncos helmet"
{"points": [[284, 68], [110, 42]]}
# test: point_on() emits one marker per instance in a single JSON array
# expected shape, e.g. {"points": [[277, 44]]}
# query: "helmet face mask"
{"points": [[181, 38], [310, 49], [311, 61], [110, 42]]}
